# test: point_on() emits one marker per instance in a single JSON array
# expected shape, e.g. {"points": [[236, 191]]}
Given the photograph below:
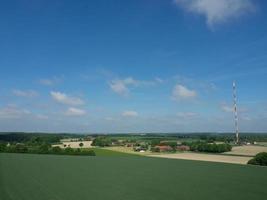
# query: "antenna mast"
{"points": [[235, 113]]}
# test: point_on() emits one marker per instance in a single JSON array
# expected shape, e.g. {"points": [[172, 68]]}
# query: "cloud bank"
{"points": [[25, 93], [75, 112], [181, 92], [65, 99], [217, 11], [129, 113], [122, 86]]}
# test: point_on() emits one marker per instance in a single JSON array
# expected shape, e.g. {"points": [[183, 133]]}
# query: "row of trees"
{"points": [[209, 147], [30, 138], [102, 141], [259, 159], [43, 149]]}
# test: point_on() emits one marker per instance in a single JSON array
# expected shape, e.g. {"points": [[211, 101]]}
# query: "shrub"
{"points": [[44, 148], [56, 150], [86, 153], [101, 141], [89, 153], [155, 149], [211, 148], [155, 142], [2, 147], [21, 148], [68, 150], [259, 159], [81, 144]]}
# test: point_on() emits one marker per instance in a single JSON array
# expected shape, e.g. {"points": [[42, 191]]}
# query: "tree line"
{"points": [[259, 159], [43, 149], [208, 147]]}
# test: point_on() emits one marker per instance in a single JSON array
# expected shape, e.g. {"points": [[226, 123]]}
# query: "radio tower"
{"points": [[235, 113]]}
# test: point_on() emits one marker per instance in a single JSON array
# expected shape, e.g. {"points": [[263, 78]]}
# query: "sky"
{"points": [[132, 66]]}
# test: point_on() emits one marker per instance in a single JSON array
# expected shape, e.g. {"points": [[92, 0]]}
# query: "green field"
{"points": [[51, 177]]}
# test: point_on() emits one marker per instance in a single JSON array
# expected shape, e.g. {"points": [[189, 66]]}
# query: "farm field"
{"points": [[128, 150], [262, 144], [43, 177], [206, 157], [232, 157], [86, 144], [110, 152], [247, 150]]}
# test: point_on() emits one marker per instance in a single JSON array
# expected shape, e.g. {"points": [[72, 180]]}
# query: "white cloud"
{"points": [[121, 86], [65, 99], [50, 81], [245, 118], [159, 80], [217, 11], [109, 118], [186, 115], [230, 108], [75, 112], [41, 116], [181, 92], [227, 108], [25, 93], [129, 113], [12, 111]]}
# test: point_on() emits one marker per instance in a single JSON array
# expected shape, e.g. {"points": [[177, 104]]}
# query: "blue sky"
{"points": [[132, 66]]}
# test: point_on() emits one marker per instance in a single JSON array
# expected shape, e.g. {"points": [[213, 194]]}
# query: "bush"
{"points": [[155, 142], [10, 149], [44, 149], [101, 141], [81, 144], [68, 150], [259, 159], [56, 150], [2, 147], [155, 149], [211, 148], [21, 148], [85, 153]]}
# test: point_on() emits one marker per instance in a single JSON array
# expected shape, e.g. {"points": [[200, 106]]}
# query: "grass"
{"points": [[43, 177]]}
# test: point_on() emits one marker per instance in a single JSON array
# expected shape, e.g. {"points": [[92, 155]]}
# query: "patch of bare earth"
{"points": [[206, 157], [86, 144]]}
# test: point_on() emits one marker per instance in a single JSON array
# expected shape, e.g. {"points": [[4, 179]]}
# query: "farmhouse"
{"points": [[183, 148], [164, 148]]}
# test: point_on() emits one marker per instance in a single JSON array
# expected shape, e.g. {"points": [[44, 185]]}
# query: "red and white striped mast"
{"points": [[235, 113]]}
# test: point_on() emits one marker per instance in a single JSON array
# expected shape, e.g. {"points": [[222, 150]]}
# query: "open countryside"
{"points": [[116, 166], [126, 177], [206, 157], [247, 150], [133, 100]]}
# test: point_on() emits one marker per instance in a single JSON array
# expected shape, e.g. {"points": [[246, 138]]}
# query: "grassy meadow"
{"points": [[52, 177]]}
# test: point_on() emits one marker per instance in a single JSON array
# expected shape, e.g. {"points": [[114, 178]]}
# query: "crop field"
{"points": [[86, 144], [247, 150], [43, 177], [206, 157]]}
